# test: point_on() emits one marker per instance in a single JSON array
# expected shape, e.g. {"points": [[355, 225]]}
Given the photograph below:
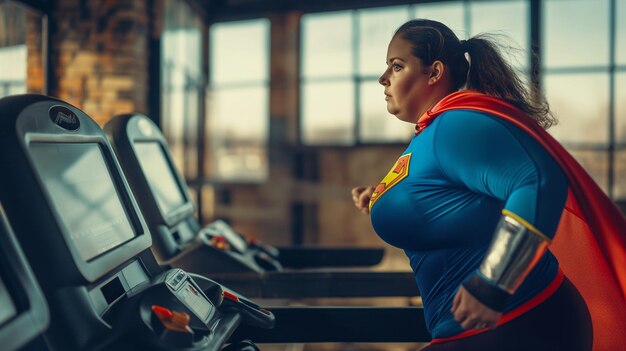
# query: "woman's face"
{"points": [[405, 81]]}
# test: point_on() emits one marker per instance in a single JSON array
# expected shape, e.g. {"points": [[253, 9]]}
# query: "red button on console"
{"points": [[230, 296]]}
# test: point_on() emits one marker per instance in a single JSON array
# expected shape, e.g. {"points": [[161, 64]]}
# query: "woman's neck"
{"points": [[434, 100]]}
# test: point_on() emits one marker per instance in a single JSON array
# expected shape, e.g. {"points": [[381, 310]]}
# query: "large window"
{"points": [[343, 54], [238, 101], [583, 73], [182, 84], [21, 49]]}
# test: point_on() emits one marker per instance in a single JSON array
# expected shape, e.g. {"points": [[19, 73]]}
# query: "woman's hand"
{"points": [[471, 313], [361, 196]]}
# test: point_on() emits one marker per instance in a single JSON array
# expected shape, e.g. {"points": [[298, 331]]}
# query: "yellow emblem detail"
{"points": [[398, 172]]}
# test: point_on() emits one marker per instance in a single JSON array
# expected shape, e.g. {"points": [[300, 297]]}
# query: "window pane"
{"points": [[174, 111], [238, 133], [13, 53], [239, 51], [376, 27], [449, 13], [328, 113], [192, 99], [378, 125], [619, 189], [13, 70], [620, 107], [327, 45], [596, 164], [21, 49], [620, 35], [181, 83], [509, 21], [181, 47], [238, 101], [580, 102], [576, 33]]}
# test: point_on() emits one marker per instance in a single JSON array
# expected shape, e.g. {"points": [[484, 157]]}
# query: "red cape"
{"points": [[590, 242]]}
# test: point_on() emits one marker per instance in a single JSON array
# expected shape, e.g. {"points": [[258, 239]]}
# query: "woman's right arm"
{"points": [[361, 196]]}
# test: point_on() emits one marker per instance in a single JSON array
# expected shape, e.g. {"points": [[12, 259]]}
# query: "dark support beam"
{"points": [[227, 10], [154, 64], [44, 6]]}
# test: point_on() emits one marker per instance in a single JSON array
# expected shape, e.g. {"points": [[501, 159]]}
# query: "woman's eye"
{"points": [[397, 67]]}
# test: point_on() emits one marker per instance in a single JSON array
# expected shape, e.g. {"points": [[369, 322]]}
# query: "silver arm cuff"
{"points": [[513, 253]]}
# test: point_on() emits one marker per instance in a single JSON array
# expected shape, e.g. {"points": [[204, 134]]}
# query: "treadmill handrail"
{"points": [[334, 256], [340, 324], [321, 283]]}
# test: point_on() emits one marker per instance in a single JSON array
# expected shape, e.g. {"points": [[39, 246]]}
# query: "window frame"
{"points": [[356, 79]]}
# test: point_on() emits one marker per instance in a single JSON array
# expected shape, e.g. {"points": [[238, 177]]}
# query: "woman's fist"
{"points": [[361, 196]]}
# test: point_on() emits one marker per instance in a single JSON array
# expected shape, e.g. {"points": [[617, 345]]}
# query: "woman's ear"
{"points": [[436, 72]]}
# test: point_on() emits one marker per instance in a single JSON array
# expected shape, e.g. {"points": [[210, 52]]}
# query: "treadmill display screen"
{"points": [[82, 191], [160, 176], [7, 308]]}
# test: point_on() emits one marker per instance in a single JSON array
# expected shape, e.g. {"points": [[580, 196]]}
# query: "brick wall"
{"points": [[35, 74], [99, 55]]}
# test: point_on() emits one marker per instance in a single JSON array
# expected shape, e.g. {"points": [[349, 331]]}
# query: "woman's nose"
{"points": [[382, 80]]}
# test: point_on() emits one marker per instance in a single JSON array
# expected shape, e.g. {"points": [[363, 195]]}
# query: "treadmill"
{"points": [[89, 247], [23, 309], [218, 251], [81, 230]]}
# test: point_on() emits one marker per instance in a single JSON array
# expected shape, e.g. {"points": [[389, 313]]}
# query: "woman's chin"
{"points": [[392, 110], [404, 118]]}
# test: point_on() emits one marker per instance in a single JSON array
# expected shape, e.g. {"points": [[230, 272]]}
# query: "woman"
{"points": [[478, 196]]}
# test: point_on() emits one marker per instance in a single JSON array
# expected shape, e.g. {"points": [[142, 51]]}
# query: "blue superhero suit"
{"points": [[443, 198]]}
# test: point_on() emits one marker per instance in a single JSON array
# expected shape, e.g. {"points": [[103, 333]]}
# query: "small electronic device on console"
{"points": [[86, 240]]}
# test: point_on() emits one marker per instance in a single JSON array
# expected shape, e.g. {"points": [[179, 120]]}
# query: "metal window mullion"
{"points": [[585, 146], [166, 102], [202, 119], [575, 70], [235, 85], [185, 141], [355, 78], [45, 53], [535, 47], [467, 18], [611, 131]]}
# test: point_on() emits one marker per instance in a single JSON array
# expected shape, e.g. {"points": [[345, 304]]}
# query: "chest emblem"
{"points": [[398, 172]]}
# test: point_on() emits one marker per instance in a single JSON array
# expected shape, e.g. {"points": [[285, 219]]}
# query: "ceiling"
{"points": [[225, 10]]}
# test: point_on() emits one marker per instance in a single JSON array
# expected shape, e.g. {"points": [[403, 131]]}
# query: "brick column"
{"points": [[99, 55], [35, 71]]}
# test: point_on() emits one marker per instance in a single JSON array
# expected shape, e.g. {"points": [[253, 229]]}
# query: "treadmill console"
{"points": [[74, 214]]}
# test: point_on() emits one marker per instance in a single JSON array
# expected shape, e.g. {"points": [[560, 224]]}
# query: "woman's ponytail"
{"points": [[482, 69], [490, 74]]}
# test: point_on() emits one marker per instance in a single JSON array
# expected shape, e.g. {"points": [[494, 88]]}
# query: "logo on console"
{"points": [[64, 118]]}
